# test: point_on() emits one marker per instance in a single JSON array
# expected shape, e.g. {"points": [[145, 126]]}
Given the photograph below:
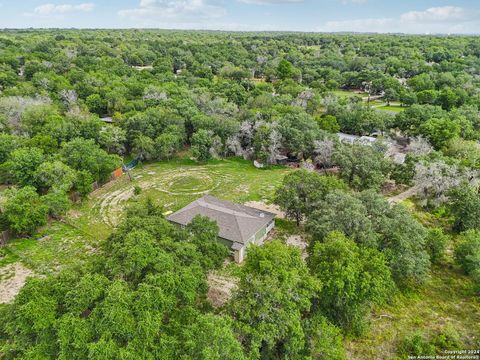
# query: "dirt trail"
{"points": [[12, 279], [403, 196]]}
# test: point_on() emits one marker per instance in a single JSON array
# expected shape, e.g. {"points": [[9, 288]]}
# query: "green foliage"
{"points": [[54, 175], [23, 210], [57, 202], [467, 252], [465, 208], [415, 345], [358, 276], [202, 141], [85, 155], [275, 291], [22, 164], [369, 220], [324, 339], [436, 243], [328, 123], [361, 167], [301, 191], [143, 148], [141, 296], [440, 131], [137, 190], [204, 234]]}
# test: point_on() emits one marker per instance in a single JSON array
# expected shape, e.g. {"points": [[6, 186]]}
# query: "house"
{"points": [[354, 139], [279, 160], [239, 225], [107, 120]]}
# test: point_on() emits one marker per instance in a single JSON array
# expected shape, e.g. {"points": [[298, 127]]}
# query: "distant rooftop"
{"points": [[236, 222]]}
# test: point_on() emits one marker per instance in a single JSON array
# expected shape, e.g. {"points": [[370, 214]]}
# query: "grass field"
{"points": [[171, 184], [395, 108], [446, 301], [346, 94]]}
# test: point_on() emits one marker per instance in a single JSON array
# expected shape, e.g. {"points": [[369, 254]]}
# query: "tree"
{"points": [[22, 165], [96, 104], [286, 70], [143, 147], [112, 139], [85, 155], [368, 219], [83, 183], [361, 166], [328, 123], [390, 95], [141, 296], [275, 290], [166, 145], [342, 212], [57, 203], [23, 210], [301, 191], [324, 339], [465, 208], [54, 175], [353, 280], [202, 141], [439, 131], [467, 252], [204, 234]]}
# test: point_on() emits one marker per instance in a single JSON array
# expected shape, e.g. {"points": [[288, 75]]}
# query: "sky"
{"points": [[384, 16]]}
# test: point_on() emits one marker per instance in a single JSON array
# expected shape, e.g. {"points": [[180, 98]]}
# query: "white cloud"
{"points": [[438, 14], [265, 2], [52, 9], [447, 19], [156, 12]]}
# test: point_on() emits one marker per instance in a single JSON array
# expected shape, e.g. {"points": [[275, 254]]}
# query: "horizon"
{"points": [[425, 17]]}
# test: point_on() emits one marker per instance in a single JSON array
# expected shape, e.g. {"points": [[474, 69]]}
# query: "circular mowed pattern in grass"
{"points": [[196, 181]]}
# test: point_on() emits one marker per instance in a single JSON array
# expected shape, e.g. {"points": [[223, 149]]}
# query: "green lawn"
{"points": [[447, 300], [347, 94], [396, 108], [171, 184]]}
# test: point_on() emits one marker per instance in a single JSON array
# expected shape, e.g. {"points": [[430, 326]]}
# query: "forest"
{"points": [[389, 220]]}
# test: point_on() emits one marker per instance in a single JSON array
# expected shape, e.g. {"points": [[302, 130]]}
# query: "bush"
{"points": [[23, 210], [137, 190], [436, 244], [447, 339], [467, 252], [415, 344], [57, 202]]}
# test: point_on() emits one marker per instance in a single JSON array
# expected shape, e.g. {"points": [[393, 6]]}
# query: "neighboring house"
{"points": [[239, 225], [354, 139], [107, 120], [279, 160]]}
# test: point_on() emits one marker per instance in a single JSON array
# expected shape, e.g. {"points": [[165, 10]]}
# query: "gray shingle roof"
{"points": [[236, 222]]}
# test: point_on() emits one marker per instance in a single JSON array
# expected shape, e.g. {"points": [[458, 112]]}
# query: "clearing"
{"points": [[171, 184]]}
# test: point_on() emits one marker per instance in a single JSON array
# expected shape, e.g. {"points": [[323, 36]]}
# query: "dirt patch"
{"points": [[220, 289], [265, 207], [12, 279], [300, 242]]}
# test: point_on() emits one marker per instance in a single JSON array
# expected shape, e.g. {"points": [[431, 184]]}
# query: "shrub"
{"points": [[467, 252], [415, 345], [137, 190], [436, 243]]}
